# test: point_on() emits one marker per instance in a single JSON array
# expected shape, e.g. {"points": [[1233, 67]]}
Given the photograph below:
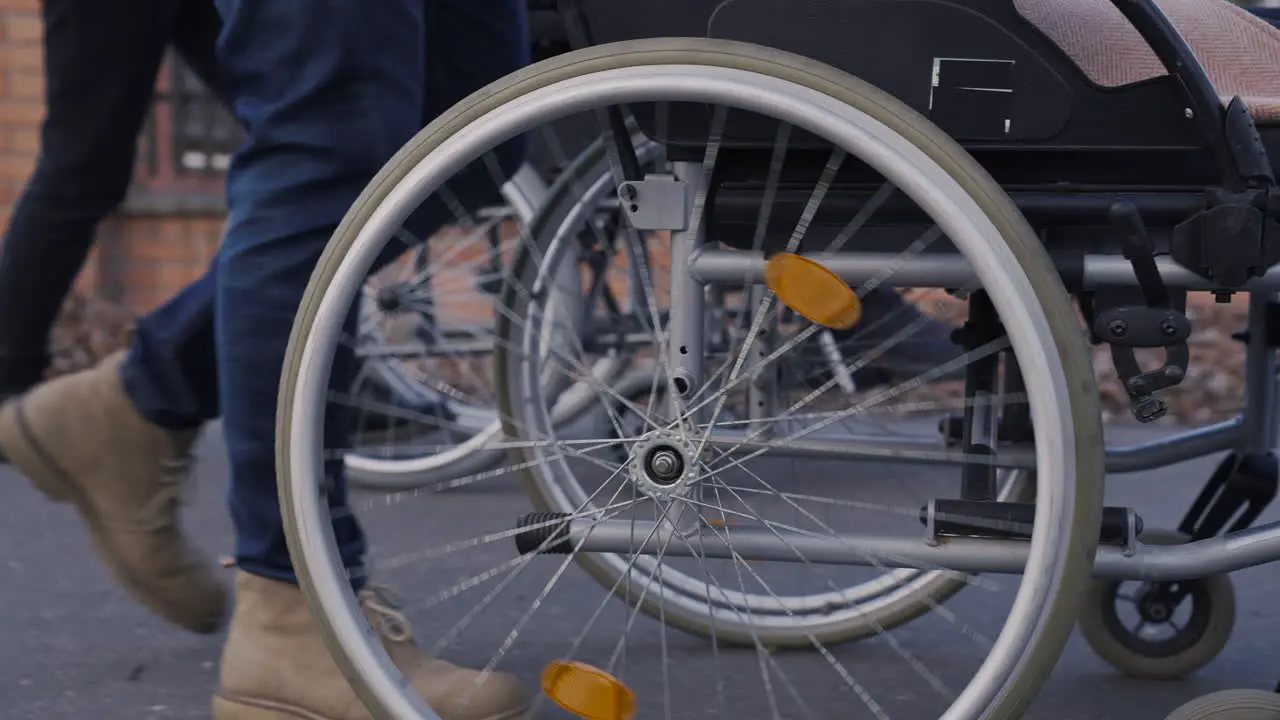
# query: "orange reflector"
{"points": [[588, 692], [813, 291]]}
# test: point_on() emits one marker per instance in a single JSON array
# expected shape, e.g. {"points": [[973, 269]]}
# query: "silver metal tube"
{"points": [[688, 293], [1177, 448], [1258, 423], [762, 388], [1215, 556], [733, 267], [1163, 452], [867, 447]]}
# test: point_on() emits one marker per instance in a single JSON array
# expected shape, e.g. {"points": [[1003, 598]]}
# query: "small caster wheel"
{"points": [[1231, 705], [1159, 631]]}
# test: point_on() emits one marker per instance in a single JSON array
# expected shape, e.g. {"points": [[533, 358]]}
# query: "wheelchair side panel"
{"points": [[975, 68]]}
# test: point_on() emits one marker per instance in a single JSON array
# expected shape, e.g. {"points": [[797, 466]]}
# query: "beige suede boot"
{"points": [[276, 667], [81, 440]]}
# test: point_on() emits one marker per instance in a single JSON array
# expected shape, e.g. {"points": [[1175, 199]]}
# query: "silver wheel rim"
{"points": [[908, 167]]}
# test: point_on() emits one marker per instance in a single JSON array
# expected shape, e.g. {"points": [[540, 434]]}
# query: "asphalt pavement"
{"points": [[74, 647]]}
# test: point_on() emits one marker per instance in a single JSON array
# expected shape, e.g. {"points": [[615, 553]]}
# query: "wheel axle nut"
{"points": [[664, 463], [664, 466]]}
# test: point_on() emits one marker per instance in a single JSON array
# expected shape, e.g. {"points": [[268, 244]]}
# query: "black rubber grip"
{"points": [[546, 533]]}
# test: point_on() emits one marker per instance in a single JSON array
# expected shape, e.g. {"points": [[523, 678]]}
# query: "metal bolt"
{"points": [[1118, 328], [1189, 113], [1169, 328], [628, 192], [665, 464]]}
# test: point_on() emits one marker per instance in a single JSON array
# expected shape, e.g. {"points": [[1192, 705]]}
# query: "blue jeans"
{"points": [[328, 92]]}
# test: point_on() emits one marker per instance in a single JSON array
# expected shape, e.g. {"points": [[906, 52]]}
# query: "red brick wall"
{"points": [[21, 96], [169, 228], [153, 256]]}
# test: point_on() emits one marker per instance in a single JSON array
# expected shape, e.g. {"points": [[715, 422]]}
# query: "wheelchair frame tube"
{"points": [[734, 267], [1259, 417], [1214, 556], [688, 293]]}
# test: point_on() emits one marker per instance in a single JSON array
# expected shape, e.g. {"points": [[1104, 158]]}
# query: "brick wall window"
{"points": [[185, 146]]}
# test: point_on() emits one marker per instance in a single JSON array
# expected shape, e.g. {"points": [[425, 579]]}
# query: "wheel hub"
{"points": [[1156, 606], [1155, 612], [389, 299], [661, 463]]}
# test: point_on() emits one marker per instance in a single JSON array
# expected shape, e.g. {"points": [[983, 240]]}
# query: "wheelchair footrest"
{"points": [[1014, 521]]}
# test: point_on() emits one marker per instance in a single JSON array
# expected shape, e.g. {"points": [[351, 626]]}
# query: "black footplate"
{"points": [[1013, 521]]}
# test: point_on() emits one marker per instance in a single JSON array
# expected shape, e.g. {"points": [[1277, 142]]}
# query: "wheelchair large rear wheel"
{"points": [[987, 672]]}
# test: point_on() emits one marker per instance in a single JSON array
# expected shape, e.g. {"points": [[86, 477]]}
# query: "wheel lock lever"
{"points": [[1155, 324]]}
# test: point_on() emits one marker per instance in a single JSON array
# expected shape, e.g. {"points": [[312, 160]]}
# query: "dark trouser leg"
{"points": [[101, 61], [195, 38], [171, 374], [354, 91]]}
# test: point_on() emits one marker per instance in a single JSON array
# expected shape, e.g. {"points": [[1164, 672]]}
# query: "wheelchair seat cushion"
{"points": [[1239, 52]]}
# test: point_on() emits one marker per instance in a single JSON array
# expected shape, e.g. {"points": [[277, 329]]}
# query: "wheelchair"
{"points": [[1065, 170]]}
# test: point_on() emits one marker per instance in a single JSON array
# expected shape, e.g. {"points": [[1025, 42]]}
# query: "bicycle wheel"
{"points": [[857, 122]]}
